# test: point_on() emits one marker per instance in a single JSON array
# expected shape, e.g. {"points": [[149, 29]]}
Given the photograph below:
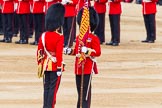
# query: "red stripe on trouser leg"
{"points": [[55, 91]]}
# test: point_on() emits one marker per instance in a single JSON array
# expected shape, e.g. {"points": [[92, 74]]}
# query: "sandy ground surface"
{"points": [[130, 74]]}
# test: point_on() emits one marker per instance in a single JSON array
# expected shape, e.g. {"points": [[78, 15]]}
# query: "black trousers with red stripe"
{"points": [[51, 85], [85, 102]]}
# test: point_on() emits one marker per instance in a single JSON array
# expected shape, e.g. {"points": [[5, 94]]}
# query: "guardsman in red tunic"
{"points": [[91, 50], [149, 11], [7, 18], [38, 16], [69, 27], [23, 11], [50, 48], [114, 19], [100, 7]]}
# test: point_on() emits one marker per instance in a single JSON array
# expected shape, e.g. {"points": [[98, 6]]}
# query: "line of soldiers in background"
{"points": [[140, 1], [27, 16]]}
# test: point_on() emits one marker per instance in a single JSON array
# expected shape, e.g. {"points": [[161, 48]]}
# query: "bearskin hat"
{"points": [[94, 18], [54, 17]]}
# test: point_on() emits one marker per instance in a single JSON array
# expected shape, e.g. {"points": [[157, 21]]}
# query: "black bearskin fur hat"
{"points": [[54, 17], [94, 19]]}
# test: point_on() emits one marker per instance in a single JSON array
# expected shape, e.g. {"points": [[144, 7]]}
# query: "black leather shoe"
{"points": [[25, 41], [144, 41], [151, 41], [148, 41], [3, 40], [110, 43], [115, 44], [19, 42], [34, 43], [22, 42], [8, 40]]}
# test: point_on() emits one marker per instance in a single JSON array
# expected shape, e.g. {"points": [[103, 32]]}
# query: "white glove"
{"points": [[86, 4], [15, 6], [84, 49], [69, 1], [67, 50], [5, 0], [48, 0], [31, 8], [59, 73], [44, 8], [64, 2], [146, 0]]}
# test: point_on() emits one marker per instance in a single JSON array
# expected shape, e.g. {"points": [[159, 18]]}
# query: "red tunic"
{"points": [[23, 7], [38, 6], [93, 43], [70, 9], [7, 6], [100, 6], [54, 45], [149, 7], [115, 7]]}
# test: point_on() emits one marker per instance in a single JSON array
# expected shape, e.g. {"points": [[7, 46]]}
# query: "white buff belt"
{"points": [[53, 59]]}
